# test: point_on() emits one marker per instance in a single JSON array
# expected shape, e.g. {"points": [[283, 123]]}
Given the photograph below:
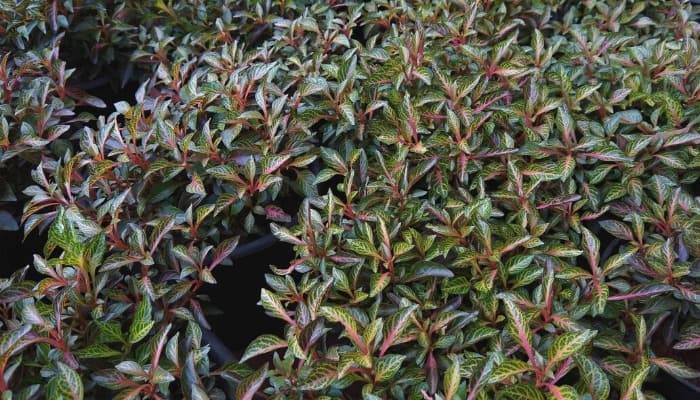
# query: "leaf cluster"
{"points": [[490, 199]]}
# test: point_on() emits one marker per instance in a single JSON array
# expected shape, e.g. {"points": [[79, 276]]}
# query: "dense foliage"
{"points": [[488, 199]]}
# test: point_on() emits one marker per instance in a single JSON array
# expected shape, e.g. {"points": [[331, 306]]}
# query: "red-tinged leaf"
{"points": [[682, 139], [450, 384], [334, 160], [161, 228], [273, 163], [690, 339], [261, 345], [284, 235], [617, 229], [378, 282], [224, 172], [675, 368], [563, 251], [632, 383], [249, 386], [131, 368], [559, 201], [321, 376], [425, 269], [591, 249], [66, 384], [643, 291], [277, 214], [687, 293], [518, 327], [671, 160], [272, 304], [600, 299], [565, 392], [338, 314], [616, 366], [395, 325], [617, 260], [196, 186], [619, 95], [223, 250]]}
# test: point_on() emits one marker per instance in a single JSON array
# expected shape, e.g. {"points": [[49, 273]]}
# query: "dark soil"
{"points": [[236, 296]]}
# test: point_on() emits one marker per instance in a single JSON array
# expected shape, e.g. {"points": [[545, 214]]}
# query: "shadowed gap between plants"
{"points": [[228, 338], [22, 251]]}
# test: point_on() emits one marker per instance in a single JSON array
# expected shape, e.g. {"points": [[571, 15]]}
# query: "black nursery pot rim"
{"points": [[688, 384]]}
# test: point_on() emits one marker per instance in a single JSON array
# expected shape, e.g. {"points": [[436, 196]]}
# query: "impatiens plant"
{"points": [[487, 199]]}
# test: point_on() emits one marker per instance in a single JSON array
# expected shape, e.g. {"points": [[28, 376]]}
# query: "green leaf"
{"points": [[143, 322], [477, 334], [341, 281], [66, 384], [567, 345], [249, 386], [378, 282], [591, 248], [585, 91], [96, 350], [596, 381], [130, 368], [617, 229], [601, 294], [284, 235], [681, 139], [272, 304], [690, 338], [508, 368], [109, 332], [671, 160], [321, 376], [518, 263], [450, 384], [615, 191], [675, 368], [617, 260], [223, 251], [338, 314], [395, 325], [261, 345], [565, 392], [518, 326], [458, 285], [333, 160], [386, 367], [362, 247], [348, 112], [632, 383], [424, 269], [312, 85], [272, 163], [521, 391]]}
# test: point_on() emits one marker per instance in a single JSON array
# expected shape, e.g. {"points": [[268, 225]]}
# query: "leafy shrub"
{"points": [[477, 154]]}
